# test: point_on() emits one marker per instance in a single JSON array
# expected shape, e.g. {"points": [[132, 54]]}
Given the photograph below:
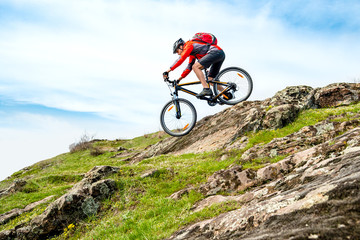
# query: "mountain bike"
{"points": [[231, 86]]}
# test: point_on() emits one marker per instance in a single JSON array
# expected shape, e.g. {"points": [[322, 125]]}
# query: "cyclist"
{"points": [[206, 54]]}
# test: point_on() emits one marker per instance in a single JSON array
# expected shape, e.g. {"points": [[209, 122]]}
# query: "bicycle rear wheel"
{"points": [[178, 117], [240, 83]]}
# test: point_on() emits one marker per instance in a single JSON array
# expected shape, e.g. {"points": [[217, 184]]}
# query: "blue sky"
{"points": [[74, 67]]}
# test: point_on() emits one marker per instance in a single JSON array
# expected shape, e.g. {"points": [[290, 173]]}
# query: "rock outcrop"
{"points": [[16, 186], [6, 217], [303, 139], [80, 202], [312, 194]]}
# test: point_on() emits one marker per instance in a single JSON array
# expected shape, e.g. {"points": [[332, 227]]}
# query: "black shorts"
{"points": [[215, 59]]}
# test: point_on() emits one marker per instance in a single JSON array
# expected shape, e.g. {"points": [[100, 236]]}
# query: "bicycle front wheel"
{"points": [[240, 83], [178, 117]]}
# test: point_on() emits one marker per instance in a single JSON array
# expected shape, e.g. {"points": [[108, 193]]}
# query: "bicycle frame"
{"points": [[180, 87], [211, 100]]}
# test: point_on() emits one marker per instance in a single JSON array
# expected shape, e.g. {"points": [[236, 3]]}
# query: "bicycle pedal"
{"points": [[205, 97], [212, 103]]}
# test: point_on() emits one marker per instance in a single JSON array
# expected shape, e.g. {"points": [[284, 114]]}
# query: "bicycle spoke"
{"points": [[240, 81], [181, 125]]}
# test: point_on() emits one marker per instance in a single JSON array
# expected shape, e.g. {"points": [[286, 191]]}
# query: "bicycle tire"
{"points": [[173, 125], [241, 78]]}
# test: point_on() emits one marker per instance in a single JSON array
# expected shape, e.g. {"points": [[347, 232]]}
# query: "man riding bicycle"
{"points": [[207, 53]]}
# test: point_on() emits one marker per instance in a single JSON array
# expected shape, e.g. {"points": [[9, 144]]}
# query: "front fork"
{"points": [[178, 110], [177, 106]]}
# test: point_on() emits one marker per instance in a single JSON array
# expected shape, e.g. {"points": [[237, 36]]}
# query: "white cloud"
{"points": [[21, 147]]}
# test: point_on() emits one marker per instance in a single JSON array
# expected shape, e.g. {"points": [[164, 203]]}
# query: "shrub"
{"points": [[95, 151], [83, 144]]}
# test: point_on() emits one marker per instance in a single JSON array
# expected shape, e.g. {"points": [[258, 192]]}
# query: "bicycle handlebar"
{"points": [[173, 82]]}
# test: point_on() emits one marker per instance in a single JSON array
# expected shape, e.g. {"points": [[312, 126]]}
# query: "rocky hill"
{"points": [[283, 168], [224, 130]]}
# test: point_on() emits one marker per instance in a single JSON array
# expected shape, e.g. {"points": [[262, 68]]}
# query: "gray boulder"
{"points": [[80, 202], [16, 186]]}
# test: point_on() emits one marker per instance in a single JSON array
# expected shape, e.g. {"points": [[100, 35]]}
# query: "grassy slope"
{"points": [[141, 208]]}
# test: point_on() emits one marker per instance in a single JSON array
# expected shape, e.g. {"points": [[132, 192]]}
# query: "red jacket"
{"points": [[193, 50]]}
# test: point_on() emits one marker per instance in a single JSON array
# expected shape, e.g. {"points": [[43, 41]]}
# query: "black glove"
{"points": [[165, 74]]}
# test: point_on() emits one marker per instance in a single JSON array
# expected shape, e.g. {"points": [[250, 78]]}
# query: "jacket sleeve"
{"points": [[188, 69], [184, 55]]}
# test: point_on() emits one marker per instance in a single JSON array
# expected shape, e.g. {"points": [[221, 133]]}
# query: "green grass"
{"points": [[54, 176], [137, 143], [23, 198], [305, 118], [144, 141], [258, 163], [141, 209]]}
